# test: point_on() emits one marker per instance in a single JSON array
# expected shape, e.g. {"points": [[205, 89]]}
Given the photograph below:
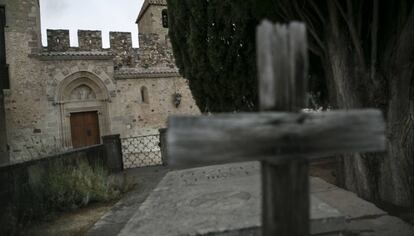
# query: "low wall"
{"points": [[24, 174], [23, 185]]}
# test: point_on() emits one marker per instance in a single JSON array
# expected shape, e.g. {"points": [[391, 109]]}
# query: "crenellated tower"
{"points": [[153, 22]]}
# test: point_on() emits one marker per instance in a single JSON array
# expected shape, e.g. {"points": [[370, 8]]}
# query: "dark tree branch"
{"points": [[315, 50], [317, 11], [333, 18], [311, 27], [283, 13], [350, 9], [359, 15], [405, 47], [352, 30], [374, 38]]}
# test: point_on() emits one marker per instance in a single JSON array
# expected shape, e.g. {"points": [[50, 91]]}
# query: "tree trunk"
{"points": [[396, 184], [359, 171], [377, 176]]}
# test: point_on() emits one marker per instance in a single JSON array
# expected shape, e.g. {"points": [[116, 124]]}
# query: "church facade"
{"points": [[60, 97]]}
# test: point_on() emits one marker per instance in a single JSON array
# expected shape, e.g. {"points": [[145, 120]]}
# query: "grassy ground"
{"points": [[73, 223]]}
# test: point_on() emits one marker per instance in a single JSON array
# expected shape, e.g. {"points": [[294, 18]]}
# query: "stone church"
{"points": [[59, 97]]}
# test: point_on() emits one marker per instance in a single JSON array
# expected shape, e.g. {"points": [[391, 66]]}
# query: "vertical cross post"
{"points": [[282, 66]]}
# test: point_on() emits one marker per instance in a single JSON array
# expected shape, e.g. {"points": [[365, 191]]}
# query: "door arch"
{"points": [[82, 93]]}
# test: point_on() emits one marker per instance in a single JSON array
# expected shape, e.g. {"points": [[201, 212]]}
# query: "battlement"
{"points": [[154, 49], [58, 40], [120, 41], [88, 40]]}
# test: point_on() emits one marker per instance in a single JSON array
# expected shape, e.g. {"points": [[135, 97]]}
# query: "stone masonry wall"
{"points": [[134, 117], [154, 52]]}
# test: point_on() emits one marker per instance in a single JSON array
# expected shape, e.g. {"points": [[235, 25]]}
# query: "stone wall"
{"points": [[154, 52], [133, 117]]}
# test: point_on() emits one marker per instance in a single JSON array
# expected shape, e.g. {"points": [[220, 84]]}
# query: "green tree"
{"points": [[362, 53]]}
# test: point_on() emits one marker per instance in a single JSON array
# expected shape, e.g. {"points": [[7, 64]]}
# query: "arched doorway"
{"points": [[83, 99]]}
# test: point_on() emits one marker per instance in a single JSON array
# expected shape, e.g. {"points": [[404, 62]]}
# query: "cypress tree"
{"points": [[214, 46]]}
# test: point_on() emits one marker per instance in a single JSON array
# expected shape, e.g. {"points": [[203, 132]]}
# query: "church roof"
{"points": [[148, 3]]}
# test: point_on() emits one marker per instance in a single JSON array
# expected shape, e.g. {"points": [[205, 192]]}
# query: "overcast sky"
{"points": [[105, 15]]}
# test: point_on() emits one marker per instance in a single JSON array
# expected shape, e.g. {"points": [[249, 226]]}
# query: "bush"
{"points": [[74, 187]]}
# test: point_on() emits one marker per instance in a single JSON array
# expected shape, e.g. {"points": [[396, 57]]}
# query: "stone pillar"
{"points": [[113, 153], [163, 146]]}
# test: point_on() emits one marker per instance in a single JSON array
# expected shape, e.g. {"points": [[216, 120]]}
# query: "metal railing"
{"points": [[141, 151]]}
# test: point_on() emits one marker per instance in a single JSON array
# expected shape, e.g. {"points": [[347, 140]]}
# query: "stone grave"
{"points": [[217, 200]]}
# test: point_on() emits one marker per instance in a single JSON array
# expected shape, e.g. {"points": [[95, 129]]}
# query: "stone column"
{"points": [[113, 153]]}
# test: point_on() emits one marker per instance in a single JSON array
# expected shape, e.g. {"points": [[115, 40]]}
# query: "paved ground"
{"points": [[362, 218]]}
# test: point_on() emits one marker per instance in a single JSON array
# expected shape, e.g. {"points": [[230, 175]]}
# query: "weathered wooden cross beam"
{"points": [[283, 141]]}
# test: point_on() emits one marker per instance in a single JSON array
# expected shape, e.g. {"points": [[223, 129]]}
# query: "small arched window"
{"points": [[144, 95], [165, 18]]}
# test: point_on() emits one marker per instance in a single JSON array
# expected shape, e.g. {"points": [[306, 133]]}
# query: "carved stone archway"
{"points": [[81, 92]]}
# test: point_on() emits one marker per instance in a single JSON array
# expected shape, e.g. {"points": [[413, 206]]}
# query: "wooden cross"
{"points": [[284, 142]]}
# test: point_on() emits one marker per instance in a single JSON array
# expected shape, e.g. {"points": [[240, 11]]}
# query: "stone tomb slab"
{"points": [[216, 200]]}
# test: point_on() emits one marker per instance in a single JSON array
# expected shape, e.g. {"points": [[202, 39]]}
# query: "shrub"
{"points": [[74, 187]]}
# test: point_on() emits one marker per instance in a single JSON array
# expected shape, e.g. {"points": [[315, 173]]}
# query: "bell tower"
{"points": [[153, 21]]}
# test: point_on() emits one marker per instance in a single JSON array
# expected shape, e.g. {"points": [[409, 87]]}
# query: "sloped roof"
{"points": [[148, 3]]}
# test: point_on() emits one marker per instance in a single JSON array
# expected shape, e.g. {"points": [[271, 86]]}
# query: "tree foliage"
{"points": [[213, 42]]}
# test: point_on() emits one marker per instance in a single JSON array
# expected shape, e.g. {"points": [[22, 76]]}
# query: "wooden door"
{"points": [[85, 129]]}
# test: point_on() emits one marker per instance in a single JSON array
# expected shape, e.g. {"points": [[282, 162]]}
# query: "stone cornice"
{"points": [[49, 56], [146, 73]]}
